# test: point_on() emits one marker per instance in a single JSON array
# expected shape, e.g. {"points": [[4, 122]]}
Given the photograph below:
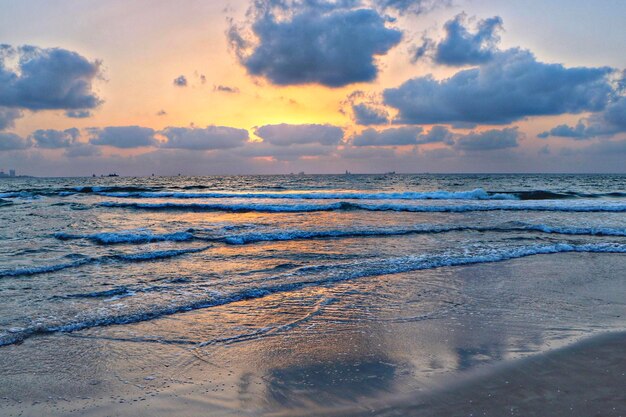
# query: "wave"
{"points": [[134, 237], [287, 235], [186, 192], [552, 195], [477, 194], [104, 189], [110, 238], [131, 257], [336, 273], [347, 206]]}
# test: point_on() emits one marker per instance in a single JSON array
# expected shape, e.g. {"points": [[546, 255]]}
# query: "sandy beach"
{"points": [[487, 359]]}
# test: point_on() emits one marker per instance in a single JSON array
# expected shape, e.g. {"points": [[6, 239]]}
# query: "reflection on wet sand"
{"points": [[354, 344]]}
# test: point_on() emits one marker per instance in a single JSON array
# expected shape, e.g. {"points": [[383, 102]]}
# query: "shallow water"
{"points": [[83, 253], [300, 291]]}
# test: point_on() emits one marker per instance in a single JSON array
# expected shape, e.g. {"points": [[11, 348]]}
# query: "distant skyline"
{"points": [[320, 86]]}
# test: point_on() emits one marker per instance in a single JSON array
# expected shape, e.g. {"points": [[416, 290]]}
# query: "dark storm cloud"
{"points": [[511, 86], [287, 135], [462, 47], [313, 42], [40, 79], [489, 140], [367, 115], [123, 136], [8, 117], [209, 138], [180, 81], [13, 142], [55, 139], [78, 114], [609, 122]]}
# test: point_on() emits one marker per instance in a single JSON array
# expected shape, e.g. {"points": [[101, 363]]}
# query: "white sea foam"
{"points": [[560, 206], [477, 194], [327, 274]]}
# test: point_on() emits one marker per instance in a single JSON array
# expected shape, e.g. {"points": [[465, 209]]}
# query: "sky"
{"points": [[195, 87]]}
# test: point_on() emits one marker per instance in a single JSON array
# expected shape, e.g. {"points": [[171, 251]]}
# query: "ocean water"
{"points": [[86, 253]]}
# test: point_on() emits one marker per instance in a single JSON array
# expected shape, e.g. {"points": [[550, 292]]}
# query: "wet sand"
{"points": [[586, 379], [486, 340]]}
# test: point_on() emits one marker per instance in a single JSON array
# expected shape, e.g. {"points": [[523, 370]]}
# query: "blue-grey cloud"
{"points": [[180, 81], [13, 142], [437, 134], [208, 138], [489, 140], [55, 139], [462, 47], [78, 114], [511, 86], [609, 122], [287, 135], [39, 79], [389, 137], [403, 136], [411, 6], [313, 42], [368, 115], [8, 116], [82, 150], [123, 136]]}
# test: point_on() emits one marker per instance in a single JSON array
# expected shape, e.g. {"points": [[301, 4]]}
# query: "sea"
{"points": [[78, 254]]}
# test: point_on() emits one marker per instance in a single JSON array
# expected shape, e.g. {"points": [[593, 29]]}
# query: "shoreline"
{"points": [[586, 378], [342, 350]]}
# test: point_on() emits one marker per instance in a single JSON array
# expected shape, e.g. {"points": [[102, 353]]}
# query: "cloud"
{"points": [[513, 85], [313, 42], [462, 47], [180, 81], [209, 138], [78, 114], [412, 6], [489, 140], [287, 135], [13, 142], [55, 139], [437, 134], [8, 117], [367, 115], [388, 137], [609, 122], [123, 136], [82, 150], [286, 153], [403, 136], [225, 89], [41, 79]]}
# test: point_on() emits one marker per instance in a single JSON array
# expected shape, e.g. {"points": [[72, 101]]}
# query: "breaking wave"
{"points": [[331, 274]]}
